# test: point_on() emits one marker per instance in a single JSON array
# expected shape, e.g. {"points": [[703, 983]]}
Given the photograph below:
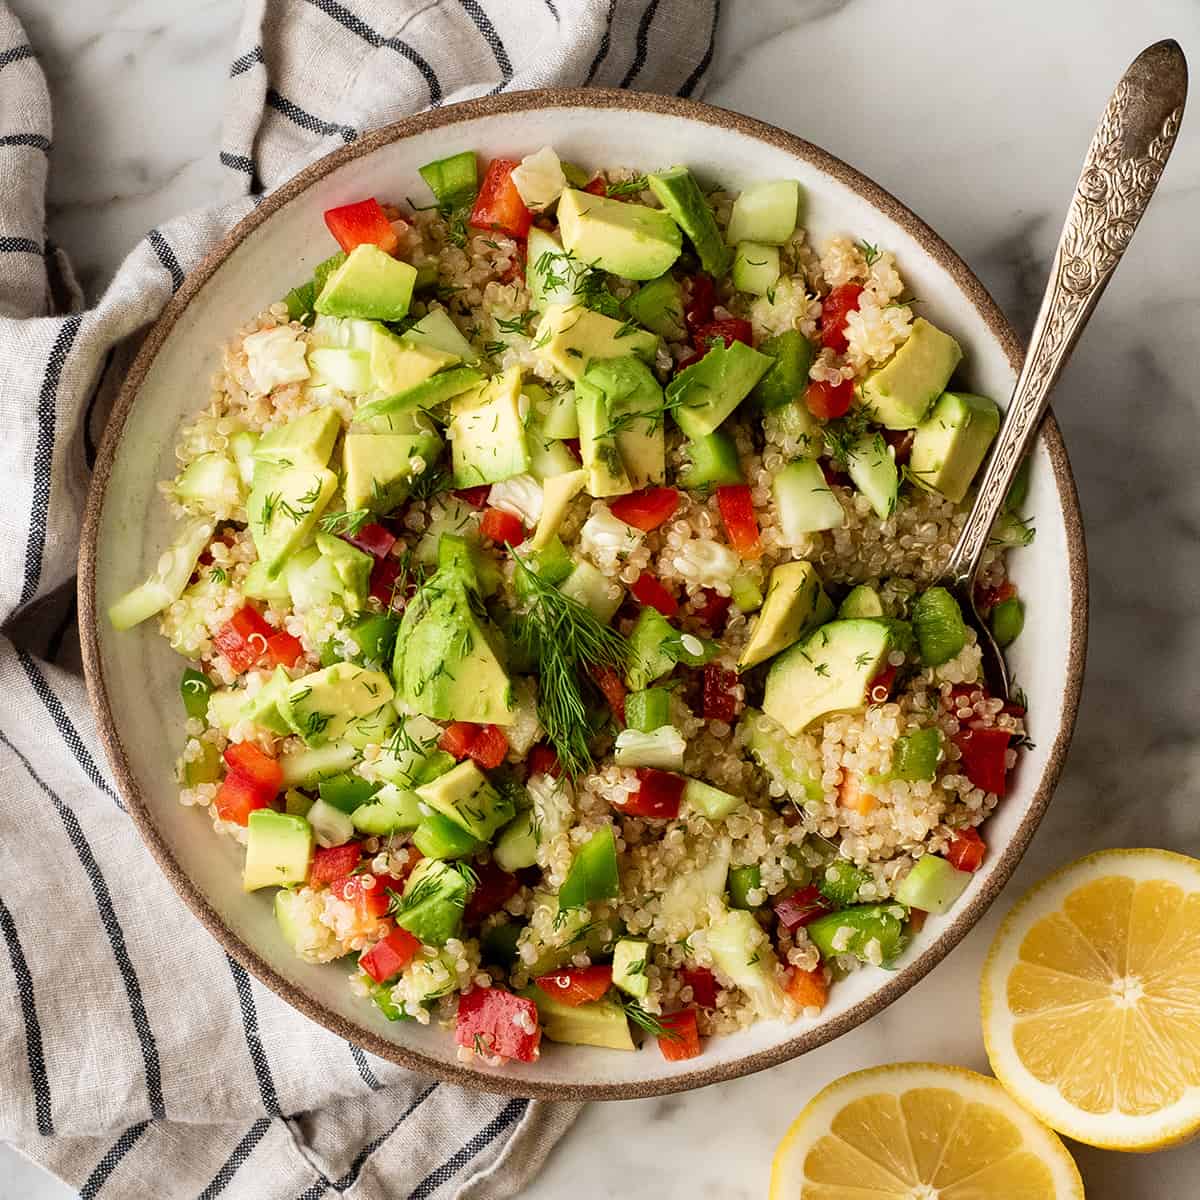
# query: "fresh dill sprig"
{"points": [[844, 433], [429, 483], [347, 523], [869, 252], [627, 187], [217, 575], [652, 416], [649, 1022]]}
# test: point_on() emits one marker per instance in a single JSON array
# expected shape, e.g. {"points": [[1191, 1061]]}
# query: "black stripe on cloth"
{"points": [[689, 84], [605, 44], [553, 11], [244, 62], [35, 141], [509, 1115], [44, 453], [241, 1152], [111, 1160], [67, 731], [364, 1068], [643, 43], [258, 1056], [20, 245], [116, 937], [306, 120], [166, 256], [344, 17], [237, 162], [33, 1030], [487, 31], [15, 55]]}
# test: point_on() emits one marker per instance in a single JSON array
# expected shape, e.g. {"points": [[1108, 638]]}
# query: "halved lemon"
{"points": [[1091, 1000], [919, 1131]]}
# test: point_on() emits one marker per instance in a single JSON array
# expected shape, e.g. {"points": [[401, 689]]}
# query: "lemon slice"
{"points": [[1091, 1000], [918, 1131]]}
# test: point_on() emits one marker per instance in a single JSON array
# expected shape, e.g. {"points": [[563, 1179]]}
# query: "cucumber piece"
{"points": [[715, 804], [241, 450], [630, 956], [208, 768], [841, 881], [1010, 531], [784, 384], [586, 586], [305, 768], [347, 370], [210, 482], [1007, 620], [439, 837], [454, 180], [755, 268], [742, 953], [867, 923], [330, 825], [649, 660], [938, 624], [712, 462], [516, 847], [861, 601], [648, 709], [1019, 492], [437, 331], [553, 276], [933, 885], [804, 501], [747, 595], [765, 212], [390, 810], [658, 305], [662, 748], [743, 881], [871, 464], [167, 582], [915, 755], [593, 874], [551, 564], [562, 417]]}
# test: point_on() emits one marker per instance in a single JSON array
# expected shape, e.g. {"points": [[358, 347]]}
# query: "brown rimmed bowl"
{"points": [[133, 677]]}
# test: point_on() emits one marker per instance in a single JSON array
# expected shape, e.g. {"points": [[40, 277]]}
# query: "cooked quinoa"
{"points": [[501, 834]]}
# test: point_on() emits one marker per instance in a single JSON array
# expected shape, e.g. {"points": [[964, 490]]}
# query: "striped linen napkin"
{"points": [[136, 1059]]}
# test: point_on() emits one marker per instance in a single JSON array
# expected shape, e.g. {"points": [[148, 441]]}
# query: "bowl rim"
{"points": [[599, 100]]}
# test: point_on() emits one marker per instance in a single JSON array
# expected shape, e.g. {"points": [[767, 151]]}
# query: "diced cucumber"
{"points": [[1007, 620], [747, 595], [712, 462], [453, 180], [167, 581], [210, 483], [331, 826], [552, 564], [755, 268], [1018, 493], [743, 881], [587, 586], [742, 953], [436, 329], [687, 899], [715, 804], [784, 384], [804, 501], [871, 464], [433, 902], [882, 924], [241, 449], [347, 370], [391, 809], [662, 748], [648, 709], [765, 212], [933, 885], [207, 768], [630, 958], [562, 417], [1010, 531], [649, 660], [553, 276], [304, 768], [861, 601], [938, 624], [915, 755], [841, 881], [658, 305], [516, 847], [225, 709]]}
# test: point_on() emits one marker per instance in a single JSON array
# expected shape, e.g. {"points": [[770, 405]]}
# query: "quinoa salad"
{"points": [[556, 573]]}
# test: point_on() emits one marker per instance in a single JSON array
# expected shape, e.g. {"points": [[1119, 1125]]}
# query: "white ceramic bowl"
{"points": [[133, 676]]}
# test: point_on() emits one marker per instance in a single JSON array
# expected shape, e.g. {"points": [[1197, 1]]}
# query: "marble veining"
{"points": [[977, 115]]}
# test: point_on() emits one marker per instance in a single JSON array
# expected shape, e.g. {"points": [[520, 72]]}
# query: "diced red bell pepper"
{"points": [[489, 747], [243, 639], [829, 400], [238, 796], [457, 738], [658, 796], [494, 889], [387, 958], [881, 685], [809, 989], [728, 331], [833, 474], [964, 694], [362, 224], [388, 585], [647, 509], [987, 598], [334, 862], [801, 906], [543, 761], [715, 608], [682, 1039], [720, 703], [284, 650], [576, 985], [702, 298], [966, 850], [647, 590], [741, 525], [612, 688], [495, 1022], [368, 893], [259, 767], [983, 758], [373, 539], [703, 984], [575, 447], [835, 308], [502, 527], [901, 442], [476, 497], [596, 187], [395, 883], [499, 205]]}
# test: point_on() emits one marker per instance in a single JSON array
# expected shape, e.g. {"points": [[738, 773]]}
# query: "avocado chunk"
{"points": [[630, 240], [765, 212], [370, 283], [950, 444], [659, 306], [602, 462], [680, 194], [786, 381], [306, 441], [871, 463], [900, 392], [431, 907], [630, 956], [284, 506], [742, 953], [487, 433], [320, 706], [263, 707], [400, 408], [861, 601], [598, 1023], [792, 606], [557, 494], [278, 850], [703, 395], [397, 365], [378, 467], [633, 404], [464, 796], [351, 565], [570, 337], [553, 275], [830, 671]]}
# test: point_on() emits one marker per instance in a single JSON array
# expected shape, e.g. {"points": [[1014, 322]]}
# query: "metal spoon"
{"points": [[1121, 170]]}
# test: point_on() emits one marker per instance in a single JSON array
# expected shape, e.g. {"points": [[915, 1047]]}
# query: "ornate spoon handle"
{"points": [[1120, 173]]}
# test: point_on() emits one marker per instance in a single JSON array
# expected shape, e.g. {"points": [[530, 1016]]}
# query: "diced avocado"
{"points": [[915, 755], [305, 441], [397, 365], [712, 462], [320, 706], [263, 707], [648, 709], [633, 402], [378, 467], [630, 958], [370, 283], [658, 305], [516, 847], [765, 212], [649, 660], [1007, 620], [278, 850], [284, 506], [557, 494], [938, 624], [805, 502], [552, 275], [593, 874], [487, 433], [713, 803], [435, 390], [743, 881], [466, 797], [703, 395], [453, 180], [861, 601], [352, 567], [598, 444], [589, 588], [755, 268], [900, 392], [559, 419], [307, 767], [432, 905], [389, 811], [841, 881], [330, 825], [933, 885], [680, 194], [210, 483], [742, 953], [787, 380], [866, 923], [830, 671], [570, 337], [793, 605], [436, 330], [168, 580], [951, 443], [439, 837], [258, 585], [871, 464], [629, 240], [599, 1023]]}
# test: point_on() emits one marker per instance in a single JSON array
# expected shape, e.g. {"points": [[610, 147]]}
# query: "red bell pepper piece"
{"points": [[703, 984], [901, 442], [387, 958], [543, 761], [987, 598], [499, 205], [728, 331], [576, 449], [333, 862], [715, 608], [362, 224], [835, 308], [801, 906], [389, 585], [502, 527], [881, 685], [829, 400], [596, 187], [647, 590], [702, 298], [983, 758], [284, 650], [741, 525], [720, 704], [494, 889], [476, 497], [576, 985], [260, 768], [647, 509], [964, 694], [243, 639], [966, 850], [613, 690], [682, 1039], [489, 747], [495, 1022], [368, 893], [373, 539], [458, 737], [658, 796], [238, 796]]}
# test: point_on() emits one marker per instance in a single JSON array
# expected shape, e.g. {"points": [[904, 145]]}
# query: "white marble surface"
{"points": [[976, 114]]}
